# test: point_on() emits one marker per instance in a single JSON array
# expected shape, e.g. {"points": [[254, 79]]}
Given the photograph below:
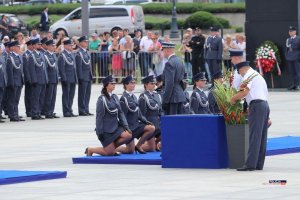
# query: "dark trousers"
{"points": [[13, 98], [174, 108], [1, 98], [145, 63], [38, 99], [197, 63], [214, 66], [84, 94], [50, 99], [27, 99], [68, 92], [5, 101], [258, 128], [227, 64], [294, 67]]}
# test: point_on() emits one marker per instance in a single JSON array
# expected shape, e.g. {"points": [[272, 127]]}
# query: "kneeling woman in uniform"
{"points": [[151, 108], [141, 128], [199, 100], [111, 125]]}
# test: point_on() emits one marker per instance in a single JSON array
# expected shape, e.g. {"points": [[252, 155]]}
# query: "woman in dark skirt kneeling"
{"points": [[111, 125], [150, 105], [141, 128]]}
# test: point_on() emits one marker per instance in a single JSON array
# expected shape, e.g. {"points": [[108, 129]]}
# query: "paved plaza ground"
{"points": [[51, 144]]}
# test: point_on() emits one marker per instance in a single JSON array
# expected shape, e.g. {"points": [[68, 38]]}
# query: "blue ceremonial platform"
{"points": [[16, 176], [283, 145], [152, 158], [194, 141]]}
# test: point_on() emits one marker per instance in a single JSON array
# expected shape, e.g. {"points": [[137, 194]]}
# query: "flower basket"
{"points": [[268, 59]]}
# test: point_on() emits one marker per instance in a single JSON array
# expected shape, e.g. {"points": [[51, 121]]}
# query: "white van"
{"points": [[119, 2], [102, 18]]}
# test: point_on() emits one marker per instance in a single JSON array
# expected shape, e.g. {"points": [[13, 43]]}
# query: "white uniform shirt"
{"points": [[237, 80], [258, 87]]}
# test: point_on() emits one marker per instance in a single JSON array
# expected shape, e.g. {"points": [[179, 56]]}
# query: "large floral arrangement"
{"points": [[267, 57], [233, 114]]}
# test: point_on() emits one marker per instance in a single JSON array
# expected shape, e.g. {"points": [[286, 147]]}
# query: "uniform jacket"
{"points": [[130, 107], [67, 67], [292, 49], [214, 48], [38, 73], [14, 70], [51, 67], [173, 75], [213, 106], [3, 78], [109, 115], [199, 102], [83, 65], [186, 103], [26, 67], [151, 107]]}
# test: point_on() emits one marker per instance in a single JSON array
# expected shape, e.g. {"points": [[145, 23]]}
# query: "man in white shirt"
{"points": [[254, 89]]}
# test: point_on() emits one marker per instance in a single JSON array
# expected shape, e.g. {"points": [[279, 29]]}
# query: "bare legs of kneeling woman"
{"points": [[110, 150], [130, 148]]}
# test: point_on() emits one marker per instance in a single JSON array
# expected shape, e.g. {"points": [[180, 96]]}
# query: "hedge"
{"points": [[205, 20], [60, 9], [152, 8], [188, 8]]}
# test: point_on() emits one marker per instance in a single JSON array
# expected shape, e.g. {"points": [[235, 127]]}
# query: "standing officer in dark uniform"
{"points": [[214, 51], [52, 72], [84, 75], [39, 80], [173, 75], [15, 81], [256, 94], [199, 100], [67, 71], [197, 45], [27, 78], [292, 56], [3, 80], [5, 54]]}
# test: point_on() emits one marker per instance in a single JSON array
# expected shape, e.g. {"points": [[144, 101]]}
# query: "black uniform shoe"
{"points": [[41, 117], [72, 115], [54, 116], [246, 169], [35, 118], [297, 88], [90, 114], [49, 117], [1, 117], [14, 119], [291, 87], [21, 120], [83, 114], [1, 121]]}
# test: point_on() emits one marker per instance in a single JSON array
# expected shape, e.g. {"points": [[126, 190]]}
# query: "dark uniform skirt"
{"points": [[138, 131], [108, 138]]}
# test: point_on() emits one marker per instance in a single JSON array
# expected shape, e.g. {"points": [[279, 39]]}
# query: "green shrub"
{"points": [[239, 29], [224, 22], [202, 20]]}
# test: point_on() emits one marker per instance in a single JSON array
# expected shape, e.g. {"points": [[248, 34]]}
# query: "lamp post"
{"points": [[174, 28]]}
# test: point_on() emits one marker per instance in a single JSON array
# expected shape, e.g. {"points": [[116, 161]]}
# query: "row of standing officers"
{"points": [[39, 70]]}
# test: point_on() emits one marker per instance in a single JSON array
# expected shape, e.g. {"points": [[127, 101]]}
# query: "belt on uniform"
{"points": [[257, 101]]}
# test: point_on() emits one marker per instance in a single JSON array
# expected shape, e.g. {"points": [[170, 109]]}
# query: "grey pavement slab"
{"points": [[51, 144]]}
